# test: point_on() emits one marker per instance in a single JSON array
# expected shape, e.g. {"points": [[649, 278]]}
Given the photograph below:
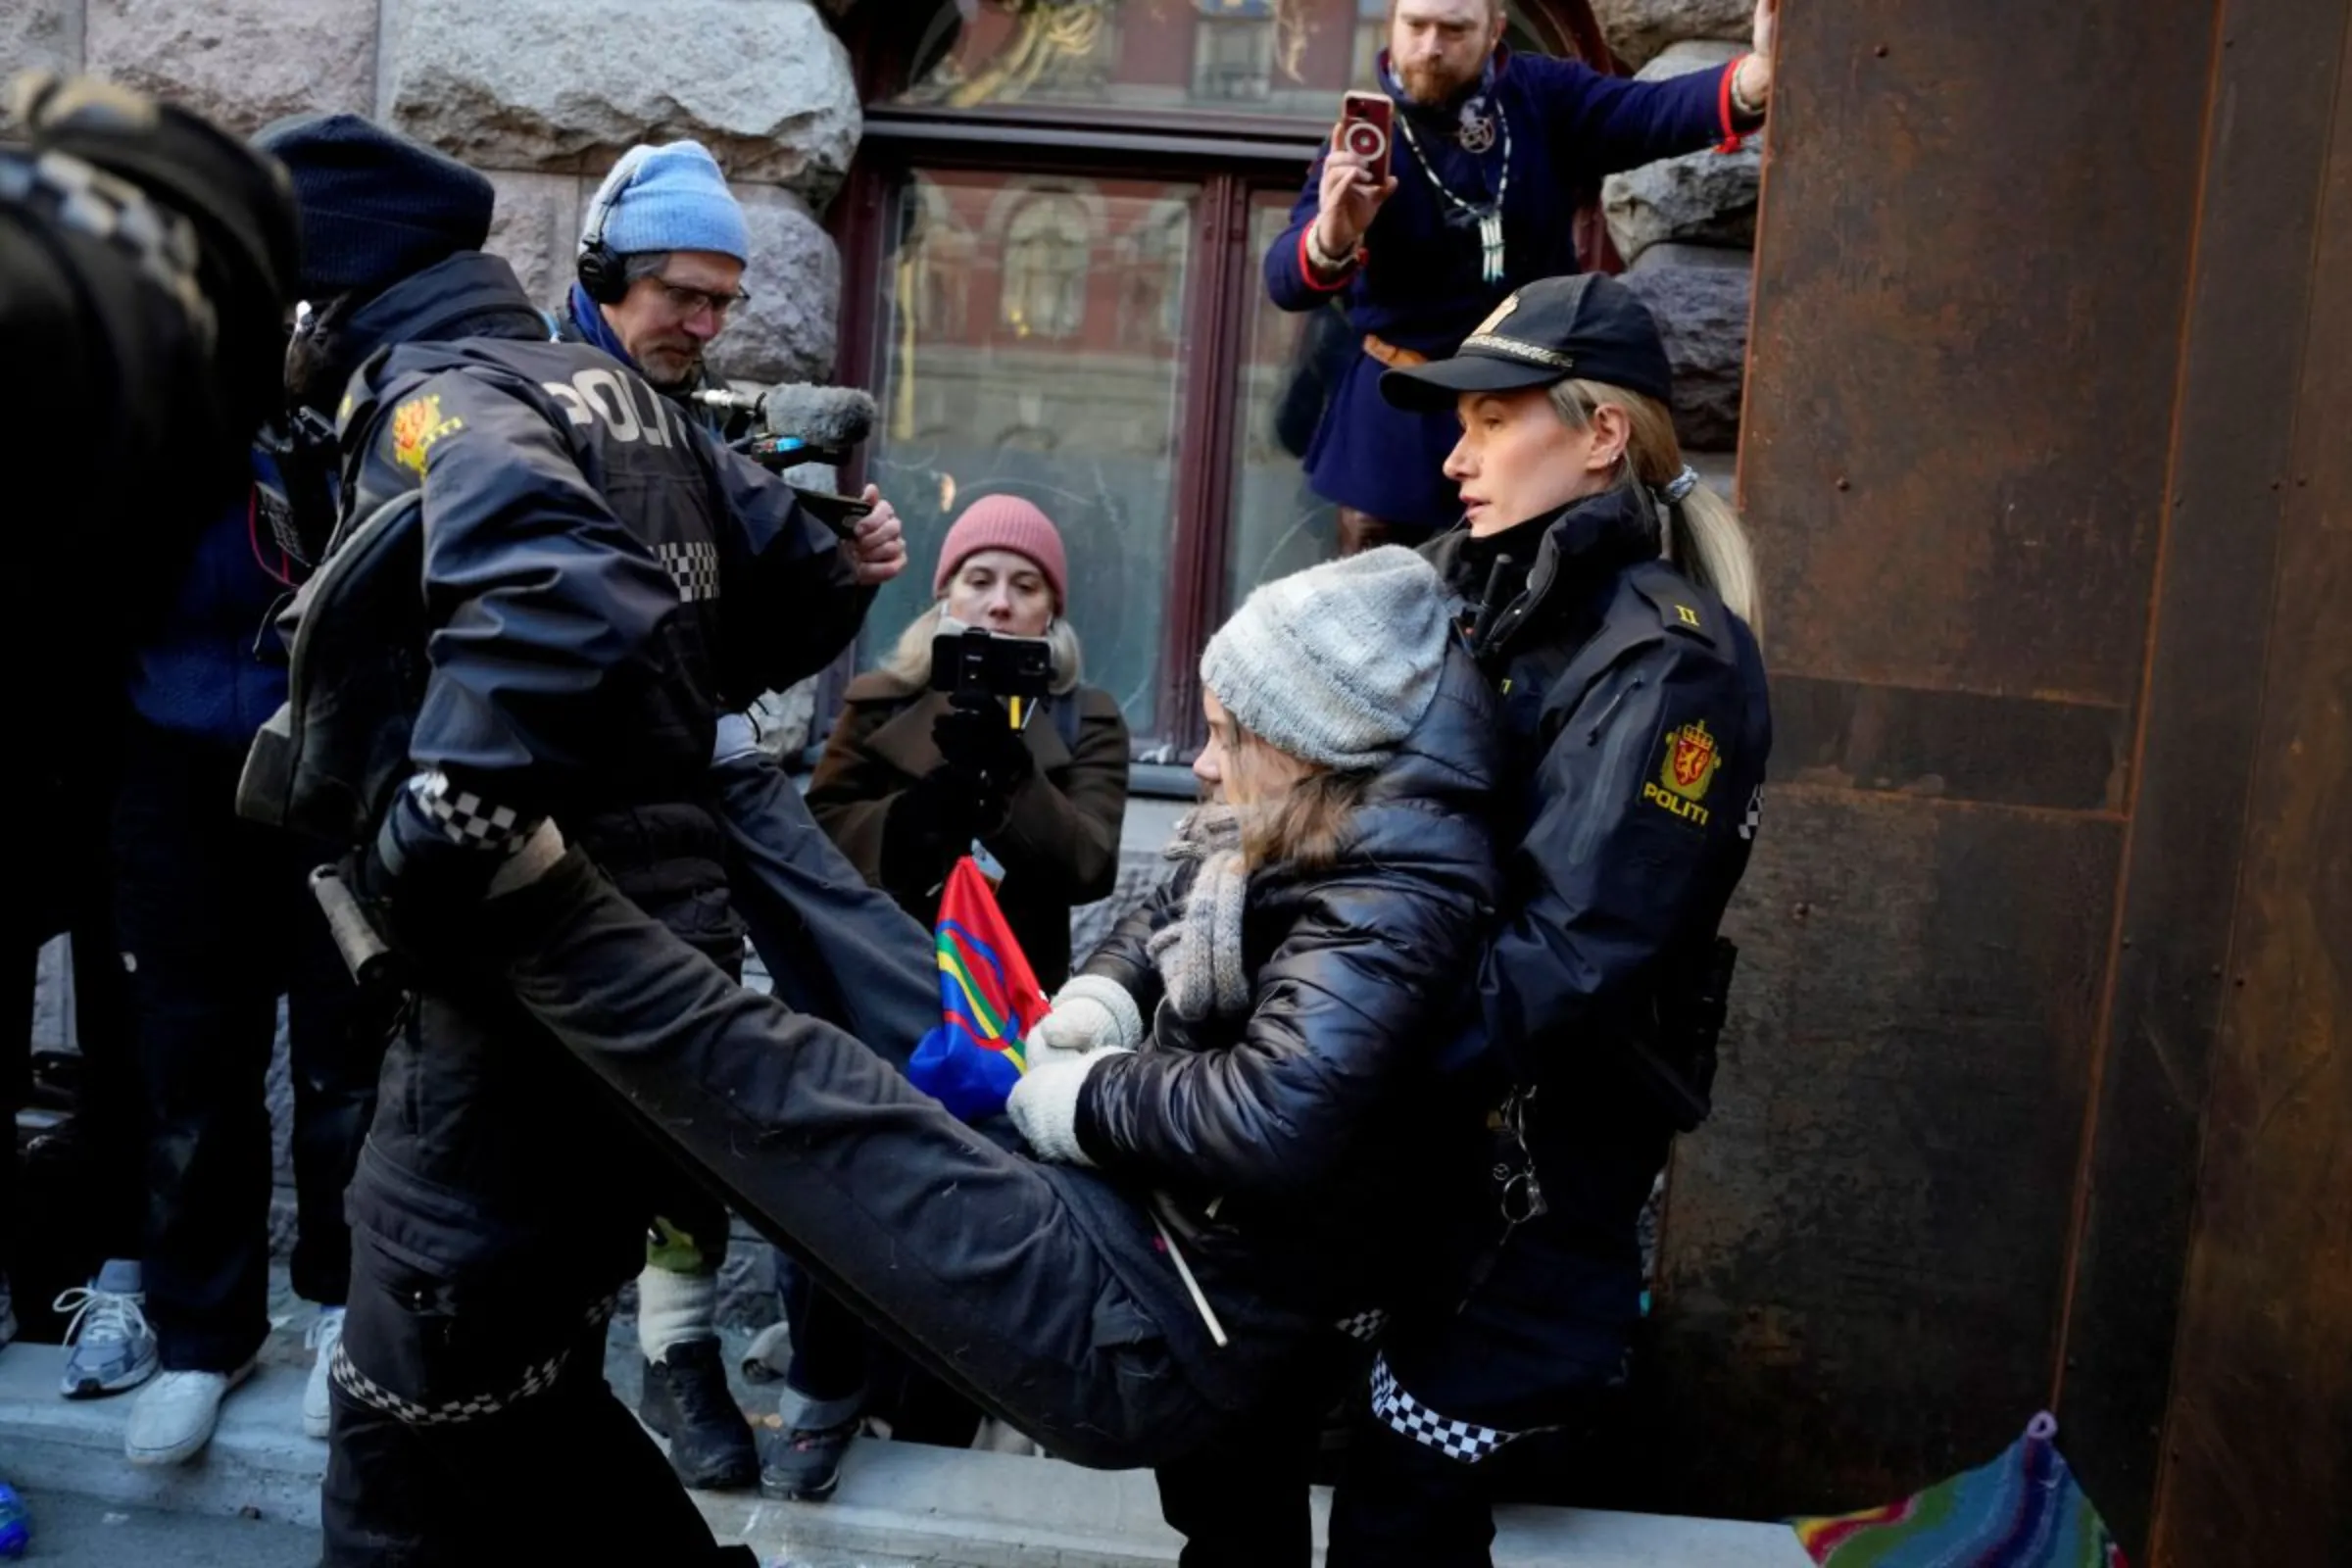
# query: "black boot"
{"points": [[806, 1467], [686, 1401]]}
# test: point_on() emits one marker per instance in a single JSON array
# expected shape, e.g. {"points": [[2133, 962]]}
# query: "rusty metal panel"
{"points": [[2249, 309], [1972, 270], [1971, 261], [2258, 1443], [1866, 1244]]}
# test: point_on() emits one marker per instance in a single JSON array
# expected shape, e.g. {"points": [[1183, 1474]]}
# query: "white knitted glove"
{"points": [[1089, 1014], [1043, 1103]]}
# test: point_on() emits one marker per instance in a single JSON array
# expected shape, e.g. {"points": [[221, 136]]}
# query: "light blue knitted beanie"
{"points": [[669, 198]]}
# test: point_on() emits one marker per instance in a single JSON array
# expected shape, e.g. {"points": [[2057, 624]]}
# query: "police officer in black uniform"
{"points": [[1611, 600], [600, 583]]}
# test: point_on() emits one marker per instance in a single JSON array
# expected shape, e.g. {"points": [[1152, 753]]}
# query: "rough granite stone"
{"points": [[1702, 313], [564, 87], [1639, 30], [1702, 198], [787, 331], [536, 227], [244, 63], [42, 33]]}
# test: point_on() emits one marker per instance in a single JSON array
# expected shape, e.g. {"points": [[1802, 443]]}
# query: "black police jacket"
{"points": [[1635, 726], [1299, 1150], [599, 583]]}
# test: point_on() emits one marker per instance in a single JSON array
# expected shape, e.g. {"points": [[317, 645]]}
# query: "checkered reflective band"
{"points": [[694, 567], [1755, 814], [1465, 1441], [109, 208], [464, 816], [535, 1380], [1364, 1327]]}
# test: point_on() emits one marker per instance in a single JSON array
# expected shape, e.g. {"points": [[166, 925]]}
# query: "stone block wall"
{"points": [[1686, 225], [542, 97]]}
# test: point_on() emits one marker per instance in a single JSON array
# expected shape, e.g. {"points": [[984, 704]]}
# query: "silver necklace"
{"points": [[1488, 218]]}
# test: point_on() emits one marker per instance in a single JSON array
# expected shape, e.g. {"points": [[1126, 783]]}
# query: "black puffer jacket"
{"points": [[1301, 1148]]}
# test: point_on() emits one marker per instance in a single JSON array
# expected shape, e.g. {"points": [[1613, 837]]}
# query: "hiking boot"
{"points": [[173, 1418], [318, 1402], [110, 1347], [687, 1400], [806, 1467]]}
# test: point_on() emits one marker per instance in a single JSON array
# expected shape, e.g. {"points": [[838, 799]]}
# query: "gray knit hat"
{"points": [[1337, 664]]}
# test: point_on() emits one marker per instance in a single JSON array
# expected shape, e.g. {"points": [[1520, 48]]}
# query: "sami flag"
{"points": [[989, 1000]]}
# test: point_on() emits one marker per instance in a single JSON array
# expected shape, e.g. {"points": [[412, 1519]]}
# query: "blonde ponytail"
{"points": [[1703, 535]]}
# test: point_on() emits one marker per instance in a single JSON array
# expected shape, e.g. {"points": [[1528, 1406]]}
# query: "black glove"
{"points": [[982, 749], [422, 890], [933, 820]]}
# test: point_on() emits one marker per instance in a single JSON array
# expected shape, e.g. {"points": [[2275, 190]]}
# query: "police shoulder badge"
{"points": [[1686, 768], [416, 425]]}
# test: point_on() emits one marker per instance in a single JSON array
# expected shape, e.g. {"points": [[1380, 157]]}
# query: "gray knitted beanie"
{"points": [[1337, 664]]}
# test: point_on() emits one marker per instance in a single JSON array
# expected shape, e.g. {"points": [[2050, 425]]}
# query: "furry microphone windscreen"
{"points": [[829, 417]]}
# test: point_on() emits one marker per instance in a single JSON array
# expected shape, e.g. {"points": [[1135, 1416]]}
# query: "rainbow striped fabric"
{"points": [[989, 1000], [2023, 1510]]}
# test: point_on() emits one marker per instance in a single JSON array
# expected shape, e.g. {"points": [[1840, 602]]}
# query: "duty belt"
{"points": [[1390, 355]]}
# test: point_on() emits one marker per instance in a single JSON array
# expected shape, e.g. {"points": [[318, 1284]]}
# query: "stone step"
{"points": [[898, 1502]]}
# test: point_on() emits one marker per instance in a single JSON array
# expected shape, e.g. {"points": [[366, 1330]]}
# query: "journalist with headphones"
{"points": [[662, 252]]}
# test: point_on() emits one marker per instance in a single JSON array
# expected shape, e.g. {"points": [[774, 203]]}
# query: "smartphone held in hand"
{"points": [[1366, 120]]}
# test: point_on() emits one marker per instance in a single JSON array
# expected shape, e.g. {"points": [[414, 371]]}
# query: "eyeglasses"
{"points": [[687, 301]]}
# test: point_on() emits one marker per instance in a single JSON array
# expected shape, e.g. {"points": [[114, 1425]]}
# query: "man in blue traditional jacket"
{"points": [[1491, 157]]}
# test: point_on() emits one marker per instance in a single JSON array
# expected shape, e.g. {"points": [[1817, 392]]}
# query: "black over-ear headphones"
{"points": [[601, 272]]}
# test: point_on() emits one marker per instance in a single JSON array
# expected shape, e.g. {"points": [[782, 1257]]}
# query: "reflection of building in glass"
{"points": [[1151, 276], [1290, 58], [1233, 51], [1046, 247]]}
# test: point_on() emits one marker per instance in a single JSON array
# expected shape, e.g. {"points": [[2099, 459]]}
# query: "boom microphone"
{"points": [[832, 419]]}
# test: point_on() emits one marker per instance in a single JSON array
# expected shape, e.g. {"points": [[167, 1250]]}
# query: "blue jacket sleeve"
{"points": [[1615, 866], [1289, 283], [535, 592], [793, 602], [1605, 124]]}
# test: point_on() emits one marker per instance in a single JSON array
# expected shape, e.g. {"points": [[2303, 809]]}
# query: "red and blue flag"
{"points": [[988, 1001]]}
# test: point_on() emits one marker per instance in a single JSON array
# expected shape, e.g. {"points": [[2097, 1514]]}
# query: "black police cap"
{"points": [[1586, 325]]}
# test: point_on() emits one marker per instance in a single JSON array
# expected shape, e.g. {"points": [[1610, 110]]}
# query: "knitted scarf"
{"points": [[1200, 955]]}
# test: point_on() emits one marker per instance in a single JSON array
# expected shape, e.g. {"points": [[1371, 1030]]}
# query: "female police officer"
{"points": [[1612, 602]]}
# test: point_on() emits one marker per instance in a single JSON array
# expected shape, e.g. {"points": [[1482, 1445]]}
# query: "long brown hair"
{"points": [[1308, 826], [1704, 535]]}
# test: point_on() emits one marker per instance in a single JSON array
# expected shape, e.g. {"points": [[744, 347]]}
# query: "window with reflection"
{"points": [[1050, 398], [1048, 247], [1286, 58]]}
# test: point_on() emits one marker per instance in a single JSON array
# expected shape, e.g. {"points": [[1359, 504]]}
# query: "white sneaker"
{"points": [[110, 1347], [318, 1404], [173, 1418]]}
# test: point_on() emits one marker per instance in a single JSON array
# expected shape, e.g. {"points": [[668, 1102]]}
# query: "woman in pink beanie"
{"points": [[906, 785]]}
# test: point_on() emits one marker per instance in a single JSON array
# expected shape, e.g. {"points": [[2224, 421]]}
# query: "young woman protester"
{"points": [[1237, 1104]]}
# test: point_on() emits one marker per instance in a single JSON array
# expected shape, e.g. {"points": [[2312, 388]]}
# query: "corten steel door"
{"points": [[2040, 1088]]}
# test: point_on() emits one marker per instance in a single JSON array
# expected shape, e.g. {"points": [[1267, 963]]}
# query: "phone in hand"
{"points": [[1366, 122], [980, 663], [841, 514]]}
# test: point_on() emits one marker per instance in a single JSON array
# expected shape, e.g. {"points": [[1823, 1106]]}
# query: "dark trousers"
{"points": [[464, 1438], [1035, 1290], [1515, 1360], [1241, 1502], [839, 1364], [67, 885], [217, 923]]}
